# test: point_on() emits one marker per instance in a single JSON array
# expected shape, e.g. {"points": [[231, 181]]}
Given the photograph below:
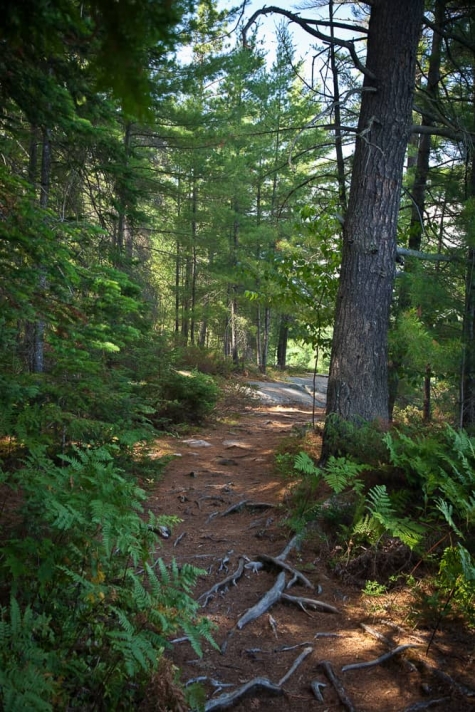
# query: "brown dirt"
{"points": [[199, 486]]}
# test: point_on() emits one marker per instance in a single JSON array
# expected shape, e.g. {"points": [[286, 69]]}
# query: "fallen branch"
{"points": [[275, 561], [381, 659], [338, 685], [257, 683], [313, 603], [232, 578], [305, 653], [272, 596]]}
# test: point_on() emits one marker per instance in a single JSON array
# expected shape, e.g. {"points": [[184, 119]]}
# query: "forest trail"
{"points": [[231, 464]]}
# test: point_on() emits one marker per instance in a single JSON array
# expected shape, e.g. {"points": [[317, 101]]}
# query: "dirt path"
{"points": [[236, 465]]}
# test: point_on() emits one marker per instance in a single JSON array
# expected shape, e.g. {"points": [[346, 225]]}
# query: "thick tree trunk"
{"points": [[358, 382]]}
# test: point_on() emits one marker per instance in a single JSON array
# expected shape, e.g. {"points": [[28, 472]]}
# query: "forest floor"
{"points": [[236, 466]]}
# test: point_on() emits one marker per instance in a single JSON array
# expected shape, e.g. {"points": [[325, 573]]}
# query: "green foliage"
{"points": [[92, 608], [185, 398], [373, 588], [359, 441]]}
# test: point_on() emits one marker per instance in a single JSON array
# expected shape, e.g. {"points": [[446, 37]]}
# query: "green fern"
{"points": [[341, 473]]}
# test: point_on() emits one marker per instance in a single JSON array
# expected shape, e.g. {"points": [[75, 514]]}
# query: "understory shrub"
{"points": [[184, 398], [87, 606], [434, 502]]}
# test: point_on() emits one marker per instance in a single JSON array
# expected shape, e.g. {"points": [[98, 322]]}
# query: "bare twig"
{"points": [[268, 600], [381, 659], [305, 653], [338, 685]]}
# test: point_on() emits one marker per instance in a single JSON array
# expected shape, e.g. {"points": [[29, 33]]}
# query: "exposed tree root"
{"points": [[247, 503], [279, 563], [311, 602], [232, 578], [338, 685], [295, 665], [268, 600], [229, 699], [381, 659], [444, 677], [426, 704]]}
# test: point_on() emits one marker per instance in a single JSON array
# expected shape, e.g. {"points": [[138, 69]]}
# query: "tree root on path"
{"points": [[278, 563], [229, 699], [257, 683], [426, 704], [232, 578], [272, 596], [381, 659], [311, 602], [338, 685]]}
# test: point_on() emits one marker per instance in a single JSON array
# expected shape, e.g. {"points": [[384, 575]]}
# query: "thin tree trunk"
{"points": [[340, 161], [282, 342], [38, 363]]}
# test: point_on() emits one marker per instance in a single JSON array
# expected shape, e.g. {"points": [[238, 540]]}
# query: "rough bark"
{"points": [[358, 382]]}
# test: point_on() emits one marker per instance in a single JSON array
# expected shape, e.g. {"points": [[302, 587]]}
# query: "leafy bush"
{"points": [[185, 398], [88, 608]]}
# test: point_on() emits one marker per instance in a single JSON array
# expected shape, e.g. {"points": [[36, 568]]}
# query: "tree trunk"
{"points": [[467, 381], [358, 381], [282, 342], [37, 361], [340, 161]]}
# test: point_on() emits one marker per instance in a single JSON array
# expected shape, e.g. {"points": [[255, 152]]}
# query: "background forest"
{"points": [[172, 198]]}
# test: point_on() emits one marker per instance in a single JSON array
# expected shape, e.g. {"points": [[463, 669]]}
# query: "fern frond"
{"points": [[303, 463], [447, 510]]}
